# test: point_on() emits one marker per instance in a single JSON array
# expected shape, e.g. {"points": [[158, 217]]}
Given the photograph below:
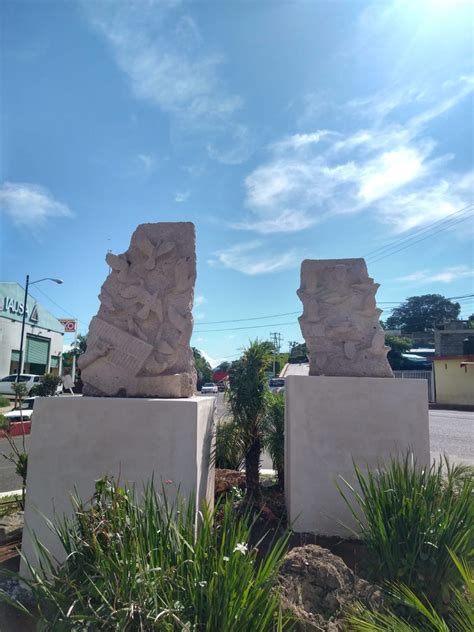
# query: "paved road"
{"points": [[452, 432]]}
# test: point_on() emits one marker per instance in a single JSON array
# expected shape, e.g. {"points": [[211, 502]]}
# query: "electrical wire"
{"points": [[446, 220]]}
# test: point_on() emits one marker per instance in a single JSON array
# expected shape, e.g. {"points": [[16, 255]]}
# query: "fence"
{"points": [[420, 375]]}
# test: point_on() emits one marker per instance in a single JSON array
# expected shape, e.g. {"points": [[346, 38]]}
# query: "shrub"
{"points": [[409, 517], [4, 401], [459, 619], [274, 433], [47, 386], [229, 451], [142, 565]]}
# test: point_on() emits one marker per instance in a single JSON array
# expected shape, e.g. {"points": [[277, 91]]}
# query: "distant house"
{"points": [[454, 379]]}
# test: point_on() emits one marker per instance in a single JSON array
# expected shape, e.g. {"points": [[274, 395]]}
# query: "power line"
{"points": [[206, 331], [446, 220], [408, 245]]}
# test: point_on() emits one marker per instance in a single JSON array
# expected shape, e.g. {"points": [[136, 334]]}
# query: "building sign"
{"points": [[69, 324], [13, 306]]}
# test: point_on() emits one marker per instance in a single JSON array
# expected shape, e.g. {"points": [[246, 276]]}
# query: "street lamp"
{"points": [[20, 359]]}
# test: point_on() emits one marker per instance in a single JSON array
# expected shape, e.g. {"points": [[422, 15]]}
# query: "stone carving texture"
{"points": [[138, 344], [340, 320]]}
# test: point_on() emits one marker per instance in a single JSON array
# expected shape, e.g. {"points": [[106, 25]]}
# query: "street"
{"points": [[451, 432]]}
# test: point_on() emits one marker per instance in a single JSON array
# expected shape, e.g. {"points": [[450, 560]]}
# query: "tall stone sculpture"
{"points": [[340, 320], [138, 344]]}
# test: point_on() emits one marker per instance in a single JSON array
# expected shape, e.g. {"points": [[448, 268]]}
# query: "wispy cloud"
{"points": [[251, 258], [146, 162], [181, 196], [161, 51], [30, 205], [448, 275], [199, 300], [389, 168]]}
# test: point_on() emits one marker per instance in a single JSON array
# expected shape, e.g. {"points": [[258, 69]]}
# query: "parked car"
{"points": [[209, 387], [6, 383], [277, 384], [25, 413], [221, 386]]}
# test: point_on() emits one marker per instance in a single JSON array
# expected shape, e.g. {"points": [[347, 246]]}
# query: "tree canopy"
{"points": [[203, 368], [422, 313]]}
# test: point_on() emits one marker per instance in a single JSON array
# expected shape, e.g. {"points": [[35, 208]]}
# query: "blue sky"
{"points": [[283, 130]]}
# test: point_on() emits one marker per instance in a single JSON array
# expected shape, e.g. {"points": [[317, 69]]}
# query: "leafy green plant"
{"points": [[4, 402], [274, 434], [247, 397], [459, 619], [408, 517], [140, 564], [18, 455], [47, 386], [229, 451]]}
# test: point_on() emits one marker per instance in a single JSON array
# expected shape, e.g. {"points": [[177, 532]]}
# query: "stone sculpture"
{"points": [[138, 344], [340, 320]]}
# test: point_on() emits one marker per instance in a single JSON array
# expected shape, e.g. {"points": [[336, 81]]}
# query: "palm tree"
{"points": [[274, 434], [247, 398]]}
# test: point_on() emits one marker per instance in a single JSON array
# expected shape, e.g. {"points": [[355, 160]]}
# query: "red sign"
{"points": [[69, 325]]}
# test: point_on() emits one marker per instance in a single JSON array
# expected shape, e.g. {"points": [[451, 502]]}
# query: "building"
{"points": [[450, 338], [454, 379], [43, 343]]}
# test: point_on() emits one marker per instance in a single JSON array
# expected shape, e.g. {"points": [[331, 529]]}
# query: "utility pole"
{"points": [[276, 339]]}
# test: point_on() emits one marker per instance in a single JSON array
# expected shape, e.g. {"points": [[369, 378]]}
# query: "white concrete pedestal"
{"points": [[77, 440], [329, 421]]}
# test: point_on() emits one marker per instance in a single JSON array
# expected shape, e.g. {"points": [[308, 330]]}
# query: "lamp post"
{"points": [[20, 359]]}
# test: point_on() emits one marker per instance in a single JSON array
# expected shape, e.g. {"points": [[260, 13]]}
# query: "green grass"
{"points": [[139, 564], [409, 517]]}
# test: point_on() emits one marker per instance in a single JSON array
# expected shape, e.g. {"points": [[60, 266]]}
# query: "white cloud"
{"points": [[161, 51], [199, 300], [448, 275], [30, 205], [212, 361], [181, 196], [146, 162], [390, 169], [248, 258]]}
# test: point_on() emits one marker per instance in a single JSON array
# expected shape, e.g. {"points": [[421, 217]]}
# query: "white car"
{"points": [[6, 383], [25, 413], [209, 387]]}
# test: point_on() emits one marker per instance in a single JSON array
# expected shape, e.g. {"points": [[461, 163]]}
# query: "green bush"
{"points": [[47, 386], [274, 433], [4, 401], [409, 517], [460, 617], [229, 448], [141, 565]]}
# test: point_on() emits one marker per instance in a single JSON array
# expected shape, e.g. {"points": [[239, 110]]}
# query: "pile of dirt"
{"points": [[226, 480], [316, 587]]}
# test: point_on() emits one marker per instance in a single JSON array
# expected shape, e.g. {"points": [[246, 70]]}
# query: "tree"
{"points": [[203, 368], [398, 345], [247, 396], [77, 350], [423, 313], [470, 322]]}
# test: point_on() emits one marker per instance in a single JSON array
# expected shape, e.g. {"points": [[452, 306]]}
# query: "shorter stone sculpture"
{"points": [[138, 344], [340, 320]]}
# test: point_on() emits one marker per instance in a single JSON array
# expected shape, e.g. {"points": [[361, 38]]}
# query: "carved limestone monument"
{"points": [[138, 344], [340, 320]]}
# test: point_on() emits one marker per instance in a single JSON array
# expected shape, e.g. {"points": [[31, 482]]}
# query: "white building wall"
{"points": [[10, 333]]}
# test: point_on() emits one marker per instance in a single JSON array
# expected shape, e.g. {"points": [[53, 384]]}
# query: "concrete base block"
{"points": [[331, 421], [77, 440]]}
